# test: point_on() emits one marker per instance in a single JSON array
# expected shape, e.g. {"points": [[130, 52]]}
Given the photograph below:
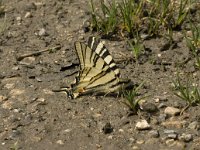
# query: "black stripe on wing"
{"points": [[102, 52]]}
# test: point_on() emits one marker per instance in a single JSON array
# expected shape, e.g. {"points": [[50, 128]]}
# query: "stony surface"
{"points": [[34, 117]]}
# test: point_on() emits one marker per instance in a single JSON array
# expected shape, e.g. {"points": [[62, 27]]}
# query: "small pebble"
{"points": [[110, 137], [162, 117], [42, 32], [186, 137], [144, 36], [28, 15], [172, 111], [18, 18], [142, 125], [121, 130], [27, 61], [154, 133], [161, 105], [159, 55], [169, 131], [157, 100], [194, 125], [135, 148], [172, 136], [3, 143], [107, 128], [15, 134], [177, 104], [98, 146], [140, 141], [149, 107], [132, 140], [160, 98], [16, 110], [41, 100], [60, 142], [38, 3], [15, 68], [68, 130], [38, 79], [170, 142]]}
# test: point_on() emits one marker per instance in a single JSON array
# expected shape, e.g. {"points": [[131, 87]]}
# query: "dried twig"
{"points": [[19, 58], [184, 109]]}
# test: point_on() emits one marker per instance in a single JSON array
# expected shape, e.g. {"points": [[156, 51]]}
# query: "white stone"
{"points": [[142, 125], [42, 32], [60, 142], [172, 111], [27, 15], [67, 130], [18, 18]]}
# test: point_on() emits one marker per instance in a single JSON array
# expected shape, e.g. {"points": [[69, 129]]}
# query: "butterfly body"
{"points": [[98, 72]]}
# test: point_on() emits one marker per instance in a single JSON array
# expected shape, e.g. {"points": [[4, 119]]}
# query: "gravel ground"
{"points": [[34, 117]]}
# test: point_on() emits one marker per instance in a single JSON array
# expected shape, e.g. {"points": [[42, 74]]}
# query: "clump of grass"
{"points": [[193, 42], [153, 17], [107, 21], [130, 12], [15, 146], [131, 98], [188, 92], [137, 47]]}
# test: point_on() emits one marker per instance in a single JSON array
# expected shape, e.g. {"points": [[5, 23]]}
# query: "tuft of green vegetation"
{"points": [[153, 17], [130, 12], [131, 100], [131, 18], [15, 146], [107, 22], [188, 92], [137, 47], [193, 42]]}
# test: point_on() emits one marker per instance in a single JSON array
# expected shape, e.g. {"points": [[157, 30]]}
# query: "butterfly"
{"points": [[98, 72]]}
